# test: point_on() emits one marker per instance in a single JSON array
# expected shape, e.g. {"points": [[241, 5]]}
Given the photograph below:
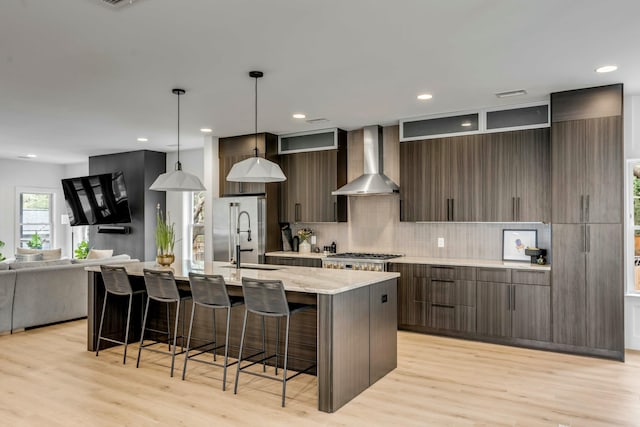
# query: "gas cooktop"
{"points": [[362, 255]]}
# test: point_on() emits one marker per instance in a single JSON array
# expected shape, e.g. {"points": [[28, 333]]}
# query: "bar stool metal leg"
{"points": [[244, 328], [286, 356], [277, 341], [104, 306], [175, 337], [126, 333], [215, 336], [226, 350], [144, 325], [186, 357], [264, 346]]}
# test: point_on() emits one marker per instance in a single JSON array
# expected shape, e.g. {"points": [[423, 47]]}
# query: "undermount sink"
{"points": [[254, 267]]}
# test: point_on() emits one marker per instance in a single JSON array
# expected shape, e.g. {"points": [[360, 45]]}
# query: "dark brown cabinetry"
{"points": [[294, 261], [234, 149], [586, 171], [587, 204], [453, 298], [440, 179], [498, 177], [311, 177], [516, 176], [514, 310], [588, 296], [414, 295]]}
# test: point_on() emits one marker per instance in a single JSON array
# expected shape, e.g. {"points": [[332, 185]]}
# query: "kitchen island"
{"points": [[351, 335]]}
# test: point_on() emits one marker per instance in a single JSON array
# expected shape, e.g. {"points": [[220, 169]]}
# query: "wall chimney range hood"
{"points": [[373, 181]]}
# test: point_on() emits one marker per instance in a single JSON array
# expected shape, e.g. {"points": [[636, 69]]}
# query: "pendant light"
{"points": [[256, 169], [177, 180]]}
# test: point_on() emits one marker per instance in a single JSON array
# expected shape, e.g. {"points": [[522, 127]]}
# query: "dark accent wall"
{"points": [[140, 169]]}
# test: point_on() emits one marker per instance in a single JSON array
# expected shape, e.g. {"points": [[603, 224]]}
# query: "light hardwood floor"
{"points": [[47, 378]]}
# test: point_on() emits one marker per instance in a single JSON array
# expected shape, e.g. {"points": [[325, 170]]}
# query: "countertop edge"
{"points": [[471, 263]]}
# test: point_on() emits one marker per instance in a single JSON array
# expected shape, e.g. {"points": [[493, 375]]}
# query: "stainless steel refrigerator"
{"points": [[226, 212]]}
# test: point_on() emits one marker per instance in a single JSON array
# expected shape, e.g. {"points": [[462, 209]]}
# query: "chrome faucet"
{"points": [[238, 231]]}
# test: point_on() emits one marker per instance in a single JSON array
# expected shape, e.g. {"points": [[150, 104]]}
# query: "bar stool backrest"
{"points": [[116, 280], [209, 289], [161, 285], [265, 297]]}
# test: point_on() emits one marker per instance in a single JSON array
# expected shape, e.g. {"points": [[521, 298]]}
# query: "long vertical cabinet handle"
{"points": [[584, 238], [518, 202], [401, 213], [588, 239], [513, 209], [587, 210], [297, 209], [508, 298], [453, 211], [581, 208], [513, 298]]}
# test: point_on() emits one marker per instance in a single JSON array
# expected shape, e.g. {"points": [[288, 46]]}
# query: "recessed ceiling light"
{"points": [[206, 130], [143, 139], [299, 116], [606, 69], [511, 93], [32, 156], [425, 96], [466, 124]]}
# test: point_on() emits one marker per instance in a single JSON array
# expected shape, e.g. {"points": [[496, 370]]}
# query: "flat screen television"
{"points": [[97, 199]]}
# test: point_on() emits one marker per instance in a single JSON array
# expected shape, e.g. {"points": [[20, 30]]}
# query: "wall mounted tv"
{"points": [[97, 199]]}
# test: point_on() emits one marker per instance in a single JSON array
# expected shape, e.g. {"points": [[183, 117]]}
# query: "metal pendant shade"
{"points": [[177, 180], [256, 169]]}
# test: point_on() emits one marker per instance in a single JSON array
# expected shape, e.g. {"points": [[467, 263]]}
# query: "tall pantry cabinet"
{"points": [[587, 216]]}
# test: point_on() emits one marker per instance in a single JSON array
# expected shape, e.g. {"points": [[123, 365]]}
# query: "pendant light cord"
{"points": [[179, 165], [255, 123]]}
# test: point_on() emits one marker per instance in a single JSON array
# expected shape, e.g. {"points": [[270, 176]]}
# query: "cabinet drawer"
{"points": [[458, 292], [420, 270], [529, 277], [500, 275], [453, 318], [452, 273]]}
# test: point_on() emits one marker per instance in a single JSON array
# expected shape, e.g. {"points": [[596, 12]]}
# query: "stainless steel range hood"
{"points": [[373, 181]]}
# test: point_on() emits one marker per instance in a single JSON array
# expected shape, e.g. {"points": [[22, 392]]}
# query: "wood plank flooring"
{"points": [[47, 378]]}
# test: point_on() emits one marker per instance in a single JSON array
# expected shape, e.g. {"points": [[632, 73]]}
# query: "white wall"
{"points": [[23, 173], [177, 202], [632, 151]]}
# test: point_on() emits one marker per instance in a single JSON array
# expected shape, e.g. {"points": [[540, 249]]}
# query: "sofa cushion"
{"points": [[4, 265], [28, 257], [47, 254], [35, 264], [100, 253], [121, 257]]}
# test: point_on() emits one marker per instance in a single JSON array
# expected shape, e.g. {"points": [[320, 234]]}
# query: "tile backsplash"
{"points": [[374, 226]]}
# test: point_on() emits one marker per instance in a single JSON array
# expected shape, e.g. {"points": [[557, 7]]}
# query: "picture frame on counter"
{"points": [[514, 243]]}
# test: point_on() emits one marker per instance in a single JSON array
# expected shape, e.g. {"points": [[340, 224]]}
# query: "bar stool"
{"points": [[210, 291], [267, 298], [161, 286], [116, 282]]}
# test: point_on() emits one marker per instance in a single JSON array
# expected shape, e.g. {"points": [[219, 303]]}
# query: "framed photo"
{"points": [[514, 242]]}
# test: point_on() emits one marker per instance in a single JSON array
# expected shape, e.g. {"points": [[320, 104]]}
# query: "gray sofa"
{"points": [[46, 294]]}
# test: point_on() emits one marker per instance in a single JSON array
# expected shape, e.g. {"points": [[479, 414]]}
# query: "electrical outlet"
{"points": [[441, 242]]}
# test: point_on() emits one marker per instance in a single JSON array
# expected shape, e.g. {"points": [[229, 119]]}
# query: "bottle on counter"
{"points": [[295, 244], [334, 248]]}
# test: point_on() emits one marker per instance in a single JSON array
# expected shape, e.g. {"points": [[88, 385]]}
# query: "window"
{"points": [[35, 226], [636, 225], [196, 227]]}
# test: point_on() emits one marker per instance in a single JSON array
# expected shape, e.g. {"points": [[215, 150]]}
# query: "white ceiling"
{"points": [[80, 78]]}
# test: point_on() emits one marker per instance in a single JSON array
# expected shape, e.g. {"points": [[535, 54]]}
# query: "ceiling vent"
{"points": [[118, 3], [511, 93], [318, 120]]}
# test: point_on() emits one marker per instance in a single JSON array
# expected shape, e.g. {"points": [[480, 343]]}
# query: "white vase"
{"points": [[304, 247]]}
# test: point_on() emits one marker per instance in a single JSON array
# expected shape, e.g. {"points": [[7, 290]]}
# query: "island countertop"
{"points": [[296, 279]]}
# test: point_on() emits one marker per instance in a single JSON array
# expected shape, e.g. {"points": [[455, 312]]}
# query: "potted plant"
{"points": [[82, 250], [35, 242], [1, 256], [305, 236], [165, 239]]}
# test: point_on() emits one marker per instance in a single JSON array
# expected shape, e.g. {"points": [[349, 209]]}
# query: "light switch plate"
{"points": [[441, 242]]}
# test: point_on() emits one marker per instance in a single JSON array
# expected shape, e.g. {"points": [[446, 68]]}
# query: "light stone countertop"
{"points": [[470, 263], [289, 254], [296, 279]]}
